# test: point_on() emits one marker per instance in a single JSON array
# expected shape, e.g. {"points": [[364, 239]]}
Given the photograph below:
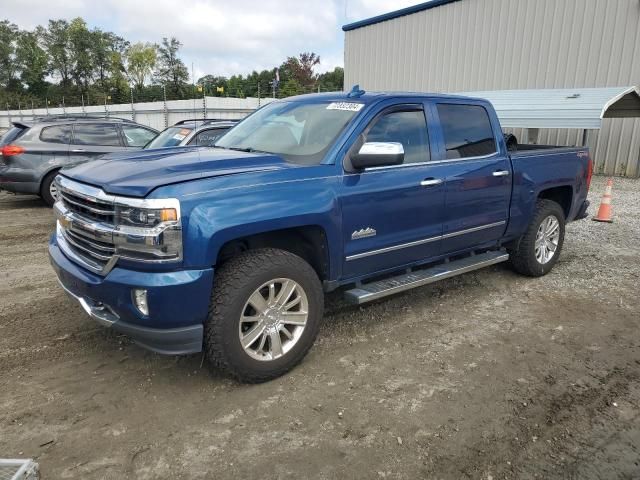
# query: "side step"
{"points": [[406, 281]]}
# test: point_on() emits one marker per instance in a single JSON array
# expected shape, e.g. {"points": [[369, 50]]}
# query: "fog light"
{"points": [[140, 299]]}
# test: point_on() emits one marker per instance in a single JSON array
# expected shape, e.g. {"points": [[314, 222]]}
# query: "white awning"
{"points": [[582, 108]]}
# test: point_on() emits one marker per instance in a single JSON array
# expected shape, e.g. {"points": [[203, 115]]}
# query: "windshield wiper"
{"points": [[241, 149]]}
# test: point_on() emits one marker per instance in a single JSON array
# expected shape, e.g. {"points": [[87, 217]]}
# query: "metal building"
{"points": [[472, 45]]}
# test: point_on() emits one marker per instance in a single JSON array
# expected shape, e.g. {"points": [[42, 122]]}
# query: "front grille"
{"points": [[91, 208], [99, 252], [88, 238]]}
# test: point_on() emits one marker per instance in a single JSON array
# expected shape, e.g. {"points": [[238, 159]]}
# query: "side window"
{"points": [[467, 130], [96, 134], [137, 136], [56, 134], [207, 138], [406, 127]]}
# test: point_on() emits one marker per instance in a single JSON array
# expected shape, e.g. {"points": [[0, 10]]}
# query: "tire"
{"points": [[248, 275], [45, 188], [524, 256]]}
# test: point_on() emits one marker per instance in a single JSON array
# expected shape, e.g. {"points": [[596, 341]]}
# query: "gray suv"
{"points": [[32, 152]]}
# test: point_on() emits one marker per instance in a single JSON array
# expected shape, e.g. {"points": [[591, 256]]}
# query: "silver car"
{"points": [[191, 132]]}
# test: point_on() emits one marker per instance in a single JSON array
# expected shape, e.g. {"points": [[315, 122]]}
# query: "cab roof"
{"points": [[370, 97]]}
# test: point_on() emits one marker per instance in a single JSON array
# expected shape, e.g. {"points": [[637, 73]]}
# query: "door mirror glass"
{"points": [[378, 154]]}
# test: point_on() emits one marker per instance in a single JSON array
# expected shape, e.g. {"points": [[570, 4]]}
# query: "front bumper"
{"points": [[178, 302]]}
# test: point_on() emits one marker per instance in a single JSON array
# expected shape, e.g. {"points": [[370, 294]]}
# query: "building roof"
{"points": [[396, 13], [582, 108]]}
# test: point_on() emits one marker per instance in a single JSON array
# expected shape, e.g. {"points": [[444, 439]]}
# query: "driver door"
{"points": [[393, 215]]}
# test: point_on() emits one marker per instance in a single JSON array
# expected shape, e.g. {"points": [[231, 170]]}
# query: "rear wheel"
{"points": [[538, 249], [48, 189], [265, 312]]}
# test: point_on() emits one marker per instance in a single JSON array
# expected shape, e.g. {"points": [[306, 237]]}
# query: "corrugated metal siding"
{"points": [[511, 44]]}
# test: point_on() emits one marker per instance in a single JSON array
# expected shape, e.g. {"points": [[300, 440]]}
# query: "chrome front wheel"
{"points": [[273, 319]]}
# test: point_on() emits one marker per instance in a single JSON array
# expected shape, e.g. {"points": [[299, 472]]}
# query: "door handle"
{"points": [[501, 173], [430, 182], [78, 150]]}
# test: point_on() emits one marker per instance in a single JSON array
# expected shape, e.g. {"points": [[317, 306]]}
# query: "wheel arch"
{"points": [[306, 241], [562, 195]]}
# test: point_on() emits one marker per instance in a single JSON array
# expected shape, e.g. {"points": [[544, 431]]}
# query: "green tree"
{"points": [[80, 44], [171, 70], [56, 39], [210, 84], [32, 61], [106, 49], [8, 67], [300, 68], [141, 59], [332, 81]]}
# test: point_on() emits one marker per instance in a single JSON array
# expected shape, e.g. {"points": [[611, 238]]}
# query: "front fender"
{"points": [[229, 214]]}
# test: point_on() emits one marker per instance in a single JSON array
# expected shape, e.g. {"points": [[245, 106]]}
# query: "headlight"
{"points": [[144, 217], [148, 230]]}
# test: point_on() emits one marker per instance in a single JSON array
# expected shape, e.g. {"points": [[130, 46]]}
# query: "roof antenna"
{"points": [[355, 92]]}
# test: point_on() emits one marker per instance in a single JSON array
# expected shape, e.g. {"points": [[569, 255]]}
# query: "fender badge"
{"points": [[363, 233]]}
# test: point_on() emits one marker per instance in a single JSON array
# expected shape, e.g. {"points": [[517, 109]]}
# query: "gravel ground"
{"points": [[488, 375]]}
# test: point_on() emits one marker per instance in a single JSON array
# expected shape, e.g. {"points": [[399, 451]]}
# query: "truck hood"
{"points": [[138, 173]]}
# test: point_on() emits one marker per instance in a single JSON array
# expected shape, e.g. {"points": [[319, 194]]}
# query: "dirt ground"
{"points": [[485, 376]]}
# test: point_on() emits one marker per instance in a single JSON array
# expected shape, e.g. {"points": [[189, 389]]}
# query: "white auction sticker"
{"points": [[348, 106]]}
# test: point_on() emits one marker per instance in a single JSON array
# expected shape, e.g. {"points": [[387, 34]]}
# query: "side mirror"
{"points": [[378, 154]]}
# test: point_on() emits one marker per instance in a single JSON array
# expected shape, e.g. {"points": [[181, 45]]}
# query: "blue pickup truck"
{"points": [[230, 249]]}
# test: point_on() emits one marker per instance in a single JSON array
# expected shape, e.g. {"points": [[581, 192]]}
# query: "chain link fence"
{"points": [[155, 106]]}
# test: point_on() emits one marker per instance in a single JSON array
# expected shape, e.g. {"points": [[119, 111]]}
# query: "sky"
{"points": [[219, 37]]}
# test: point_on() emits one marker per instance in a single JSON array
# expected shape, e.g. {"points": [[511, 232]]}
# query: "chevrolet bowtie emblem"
{"points": [[363, 233]]}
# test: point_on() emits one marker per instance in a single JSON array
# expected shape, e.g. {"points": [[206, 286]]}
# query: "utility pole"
{"points": [[164, 103], [204, 102], [258, 94], [133, 112]]}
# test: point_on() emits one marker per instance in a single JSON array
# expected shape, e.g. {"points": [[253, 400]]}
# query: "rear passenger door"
{"points": [[90, 140], [54, 146], [478, 179]]}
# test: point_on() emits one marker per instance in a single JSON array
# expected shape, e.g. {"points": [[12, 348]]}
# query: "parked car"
{"points": [[191, 132], [32, 152], [230, 249]]}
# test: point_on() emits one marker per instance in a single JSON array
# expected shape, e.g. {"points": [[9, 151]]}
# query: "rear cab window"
{"points": [[100, 134], [56, 134], [466, 130]]}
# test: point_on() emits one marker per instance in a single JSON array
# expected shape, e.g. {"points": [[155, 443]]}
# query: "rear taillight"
{"points": [[589, 171], [11, 150]]}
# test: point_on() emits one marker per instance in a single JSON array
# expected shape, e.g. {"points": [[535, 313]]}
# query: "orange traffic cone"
{"points": [[604, 212]]}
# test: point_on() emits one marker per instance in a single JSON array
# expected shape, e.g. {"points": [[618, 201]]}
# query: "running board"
{"points": [[372, 291]]}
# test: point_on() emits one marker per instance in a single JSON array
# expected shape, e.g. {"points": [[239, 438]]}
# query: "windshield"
{"points": [[169, 137], [299, 132]]}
